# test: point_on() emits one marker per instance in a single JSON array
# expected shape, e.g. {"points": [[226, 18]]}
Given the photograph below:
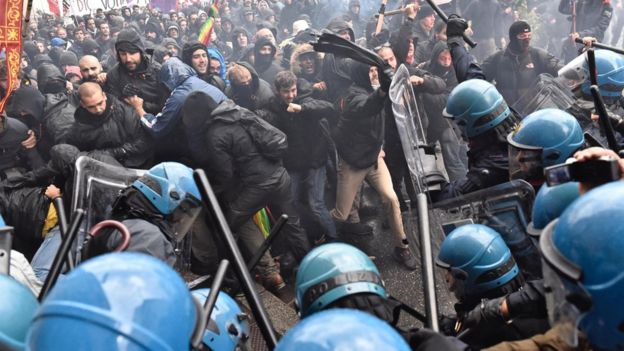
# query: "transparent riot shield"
{"points": [[548, 92], [95, 188], [422, 160], [553, 92], [505, 208], [423, 167]]}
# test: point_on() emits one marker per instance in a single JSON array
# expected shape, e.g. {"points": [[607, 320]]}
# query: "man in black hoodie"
{"points": [[264, 60], [516, 68], [134, 74], [246, 88]]}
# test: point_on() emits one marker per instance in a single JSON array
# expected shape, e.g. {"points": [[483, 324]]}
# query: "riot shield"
{"points": [[422, 160], [505, 208], [548, 92]]}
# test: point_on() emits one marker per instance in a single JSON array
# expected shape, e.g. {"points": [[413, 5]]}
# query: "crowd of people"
{"points": [[279, 126]]}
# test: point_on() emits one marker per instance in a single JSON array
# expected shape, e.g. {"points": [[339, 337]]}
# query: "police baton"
{"points": [[601, 46], [66, 243], [444, 18], [211, 300], [225, 235], [267, 242], [599, 103], [62, 221]]}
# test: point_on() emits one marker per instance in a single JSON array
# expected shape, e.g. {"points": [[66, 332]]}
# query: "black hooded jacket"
{"points": [[265, 66], [308, 142], [12, 153], [118, 131], [230, 156], [360, 131], [260, 94], [145, 77]]}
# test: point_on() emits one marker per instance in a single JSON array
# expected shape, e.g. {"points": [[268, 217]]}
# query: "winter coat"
{"points": [[593, 17], [181, 79], [229, 155], [515, 74], [360, 131], [25, 209], [145, 77], [261, 91], [57, 120], [12, 154], [308, 142], [118, 131]]}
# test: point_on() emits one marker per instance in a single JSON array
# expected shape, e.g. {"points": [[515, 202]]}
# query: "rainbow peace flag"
{"points": [[261, 219], [206, 30]]}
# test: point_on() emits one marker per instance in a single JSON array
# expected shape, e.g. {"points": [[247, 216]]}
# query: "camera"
{"points": [[598, 171]]}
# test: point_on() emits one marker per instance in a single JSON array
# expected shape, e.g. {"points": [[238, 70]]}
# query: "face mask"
{"points": [[524, 44], [263, 60]]}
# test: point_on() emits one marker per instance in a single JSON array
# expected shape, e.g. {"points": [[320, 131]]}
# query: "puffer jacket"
{"points": [[117, 132], [145, 77]]}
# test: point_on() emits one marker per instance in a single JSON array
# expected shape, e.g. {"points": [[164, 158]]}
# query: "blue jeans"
{"points": [[42, 261], [308, 188]]}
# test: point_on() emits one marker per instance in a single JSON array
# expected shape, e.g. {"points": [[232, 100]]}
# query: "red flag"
{"points": [[10, 42], [53, 5]]}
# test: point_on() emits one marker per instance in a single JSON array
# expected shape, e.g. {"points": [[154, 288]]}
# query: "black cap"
{"points": [[425, 11]]}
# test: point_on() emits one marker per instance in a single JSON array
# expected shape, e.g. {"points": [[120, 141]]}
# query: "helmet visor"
{"points": [[525, 162], [183, 217], [574, 73], [560, 292]]}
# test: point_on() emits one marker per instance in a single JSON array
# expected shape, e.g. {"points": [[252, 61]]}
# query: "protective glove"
{"points": [[385, 78], [455, 26], [447, 324], [487, 312], [130, 90]]}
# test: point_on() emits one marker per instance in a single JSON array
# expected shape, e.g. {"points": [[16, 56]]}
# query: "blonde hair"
{"points": [[238, 74]]}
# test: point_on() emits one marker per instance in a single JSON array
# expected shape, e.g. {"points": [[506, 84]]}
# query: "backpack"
{"points": [[270, 141]]}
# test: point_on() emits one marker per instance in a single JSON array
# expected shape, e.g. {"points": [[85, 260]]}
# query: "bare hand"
{"points": [[69, 86], [52, 192], [416, 80], [589, 41], [411, 10], [593, 153], [31, 141], [101, 78], [134, 101], [293, 108], [319, 86], [574, 35]]}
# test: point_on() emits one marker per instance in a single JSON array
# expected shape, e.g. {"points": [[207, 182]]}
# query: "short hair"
{"points": [[238, 73], [89, 89], [285, 79]]}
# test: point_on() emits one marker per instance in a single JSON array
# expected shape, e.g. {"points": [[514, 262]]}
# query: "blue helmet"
{"points": [[544, 138], [477, 107], [549, 204], [119, 301], [17, 308], [228, 326], [167, 185], [170, 187], [609, 69], [342, 329], [331, 272], [584, 269], [478, 258]]}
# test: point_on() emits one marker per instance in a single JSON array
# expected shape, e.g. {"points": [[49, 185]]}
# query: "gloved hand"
{"points": [[130, 90], [455, 26], [447, 324], [487, 312], [617, 123], [385, 77]]}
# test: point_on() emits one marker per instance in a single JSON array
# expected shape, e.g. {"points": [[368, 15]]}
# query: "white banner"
{"points": [[84, 7]]}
